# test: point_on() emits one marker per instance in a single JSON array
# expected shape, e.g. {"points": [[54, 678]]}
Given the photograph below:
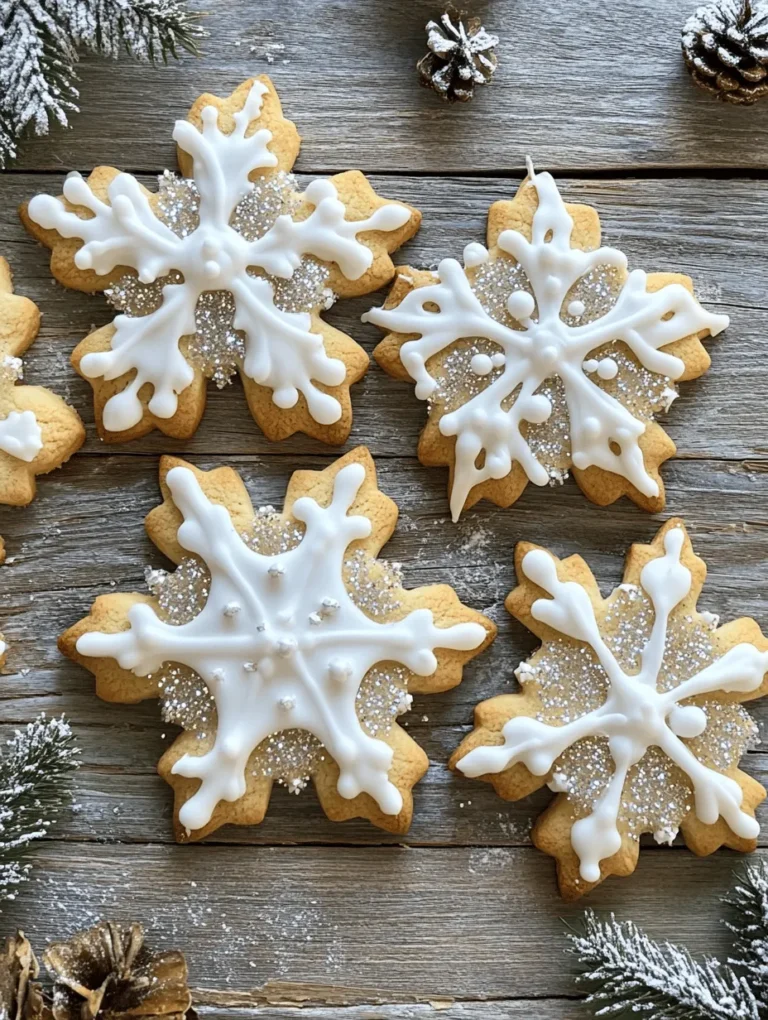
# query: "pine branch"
{"points": [[148, 30], [39, 43], [750, 900], [630, 973], [33, 773], [37, 78]]}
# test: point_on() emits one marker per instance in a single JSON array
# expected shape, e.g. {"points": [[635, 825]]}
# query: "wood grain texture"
{"points": [[460, 919], [591, 86]]}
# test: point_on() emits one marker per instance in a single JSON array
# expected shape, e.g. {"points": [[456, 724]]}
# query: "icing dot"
{"points": [[520, 305], [576, 309], [288, 703], [592, 426], [481, 364], [687, 720], [285, 647], [607, 369], [339, 669], [498, 359], [590, 365], [537, 409], [475, 255]]}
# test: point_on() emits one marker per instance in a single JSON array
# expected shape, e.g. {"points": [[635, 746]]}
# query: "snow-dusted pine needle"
{"points": [[629, 973], [39, 44], [34, 767]]}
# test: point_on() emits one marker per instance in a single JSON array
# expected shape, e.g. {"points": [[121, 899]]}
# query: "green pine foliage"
{"points": [[40, 42]]}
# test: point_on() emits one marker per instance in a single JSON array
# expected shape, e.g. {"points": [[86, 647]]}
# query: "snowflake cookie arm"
{"points": [[252, 643], [535, 334], [515, 747], [38, 430]]}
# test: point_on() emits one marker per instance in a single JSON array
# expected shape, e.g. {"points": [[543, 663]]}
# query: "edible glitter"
{"points": [[570, 682], [373, 585], [289, 757], [11, 369], [216, 347]]}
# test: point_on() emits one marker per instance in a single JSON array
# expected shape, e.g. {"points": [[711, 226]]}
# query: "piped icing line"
{"points": [[280, 644], [21, 435], [281, 350], [544, 347], [635, 715]]}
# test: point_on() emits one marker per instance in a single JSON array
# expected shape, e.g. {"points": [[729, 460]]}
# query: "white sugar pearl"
{"points": [[576, 309], [499, 359], [607, 369], [481, 364], [520, 305], [590, 365], [687, 720]]}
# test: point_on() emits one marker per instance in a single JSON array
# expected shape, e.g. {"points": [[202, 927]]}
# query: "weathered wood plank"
{"points": [[411, 924], [118, 798], [346, 74], [505, 1009], [704, 228]]}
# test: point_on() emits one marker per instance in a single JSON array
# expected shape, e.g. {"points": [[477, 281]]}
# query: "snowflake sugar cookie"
{"points": [[630, 711], [223, 270], [543, 355], [38, 431], [281, 645]]}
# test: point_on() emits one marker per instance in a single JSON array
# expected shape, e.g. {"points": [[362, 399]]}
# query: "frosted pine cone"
{"points": [[460, 57], [725, 46]]}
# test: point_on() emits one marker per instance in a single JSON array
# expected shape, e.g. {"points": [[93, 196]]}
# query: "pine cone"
{"points": [[20, 995], [108, 973], [725, 45], [459, 58]]}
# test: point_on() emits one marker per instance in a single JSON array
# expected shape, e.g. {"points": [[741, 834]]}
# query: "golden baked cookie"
{"points": [[630, 711], [281, 645], [224, 270], [38, 430], [542, 355]]}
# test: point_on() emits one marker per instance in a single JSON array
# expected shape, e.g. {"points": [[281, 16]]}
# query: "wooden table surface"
{"points": [[463, 913]]}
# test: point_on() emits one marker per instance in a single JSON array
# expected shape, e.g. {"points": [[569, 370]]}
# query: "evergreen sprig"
{"points": [[34, 767], [40, 42], [629, 973], [749, 898]]}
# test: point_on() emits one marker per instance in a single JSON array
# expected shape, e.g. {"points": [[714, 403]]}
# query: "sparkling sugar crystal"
{"points": [[289, 757]]}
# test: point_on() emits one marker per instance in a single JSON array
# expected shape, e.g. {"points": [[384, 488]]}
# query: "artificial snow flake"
{"points": [[229, 268], [629, 710], [302, 680], [544, 354], [39, 43]]}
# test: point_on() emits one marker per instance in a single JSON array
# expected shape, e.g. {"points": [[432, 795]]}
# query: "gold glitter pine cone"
{"points": [[461, 55], [109, 973], [20, 994], [725, 47]]}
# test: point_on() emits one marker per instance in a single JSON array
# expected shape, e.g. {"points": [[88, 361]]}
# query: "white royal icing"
{"points": [[635, 715], [281, 352], [280, 644], [21, 436], [546, 346]]}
